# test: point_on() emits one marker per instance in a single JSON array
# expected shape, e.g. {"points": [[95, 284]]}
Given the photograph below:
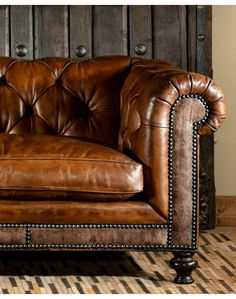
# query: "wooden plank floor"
{"points": [[120, 272]]}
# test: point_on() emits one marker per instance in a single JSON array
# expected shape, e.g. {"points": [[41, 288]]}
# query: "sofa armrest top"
{"points": [[152, 88]]}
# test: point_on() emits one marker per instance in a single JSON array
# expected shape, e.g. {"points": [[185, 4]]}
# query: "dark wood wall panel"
{"points": [[110, 30], [204, 40], [4, 30], [81, 30], [22, 30], [204, 66], [140, 29], [51, 31], [191, 37], [170, 29]]}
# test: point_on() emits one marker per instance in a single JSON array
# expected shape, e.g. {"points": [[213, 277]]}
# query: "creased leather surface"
{"points": [[59, 96], [12, 235], [97, 99], [43, 162], [59, 212], [186, 113], [98, 236], [146, 98]]}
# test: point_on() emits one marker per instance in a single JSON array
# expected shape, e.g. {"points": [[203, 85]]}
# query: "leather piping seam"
{"points": [[72, 159], [71, 189], [194, 168]]}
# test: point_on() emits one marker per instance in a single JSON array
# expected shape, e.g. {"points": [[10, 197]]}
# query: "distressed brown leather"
{"points": [[66, 212], [12, 235], [186, 113], [115, 102], [98, 236], [121, 236], [56, 163]]}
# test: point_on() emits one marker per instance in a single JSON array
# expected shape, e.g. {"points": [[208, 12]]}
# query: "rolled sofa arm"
{"points": [[164, 109]]}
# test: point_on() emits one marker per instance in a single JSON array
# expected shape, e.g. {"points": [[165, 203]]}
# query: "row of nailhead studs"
{"points": [[126, 226], [194, 166], [99, 246], [195, 172], [28, 235]]}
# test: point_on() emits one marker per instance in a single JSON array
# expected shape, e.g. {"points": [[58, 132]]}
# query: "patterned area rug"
{"points": [[120, 272]]}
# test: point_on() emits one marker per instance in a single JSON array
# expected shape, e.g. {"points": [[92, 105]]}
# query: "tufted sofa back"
{"points": [[59, 96]]}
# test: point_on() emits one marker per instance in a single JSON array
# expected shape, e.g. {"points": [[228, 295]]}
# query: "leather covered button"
{"points": [[58, 81], [84, 112], [2, 80], [29, 110]]}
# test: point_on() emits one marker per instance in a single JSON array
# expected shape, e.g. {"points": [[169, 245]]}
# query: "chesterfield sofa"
{"points": [[103, 155]]}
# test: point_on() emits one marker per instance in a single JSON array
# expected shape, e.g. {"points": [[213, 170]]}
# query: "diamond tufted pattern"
{"points": [[59, 96], [99, 98]]}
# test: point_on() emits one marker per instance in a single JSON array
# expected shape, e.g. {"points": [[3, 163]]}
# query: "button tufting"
{"points": [[29, 110], [84, 112], [58, 81], [3, 80]]}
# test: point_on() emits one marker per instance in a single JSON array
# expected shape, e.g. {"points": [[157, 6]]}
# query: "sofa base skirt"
{"points": [[88, 237], [77, 237], [84, 226]]}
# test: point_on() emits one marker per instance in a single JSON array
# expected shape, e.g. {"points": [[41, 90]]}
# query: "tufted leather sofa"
{"points": [[103, 154]]}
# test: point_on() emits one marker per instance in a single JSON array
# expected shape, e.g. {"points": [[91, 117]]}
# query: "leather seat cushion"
{"points": [[56, 167]]}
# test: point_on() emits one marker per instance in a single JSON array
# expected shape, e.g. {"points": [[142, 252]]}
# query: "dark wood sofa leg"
{"points": [[183, 265]]}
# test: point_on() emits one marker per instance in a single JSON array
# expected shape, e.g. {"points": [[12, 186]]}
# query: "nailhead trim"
{"points": [[99, 246], [194, 167], [28, 235], [167, 226], [126, 226]]}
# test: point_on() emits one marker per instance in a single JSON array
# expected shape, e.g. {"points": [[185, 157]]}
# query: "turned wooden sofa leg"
{"points": [[183, 264]]}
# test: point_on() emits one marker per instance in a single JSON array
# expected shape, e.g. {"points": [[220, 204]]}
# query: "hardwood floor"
{"points": [[131, 272]]}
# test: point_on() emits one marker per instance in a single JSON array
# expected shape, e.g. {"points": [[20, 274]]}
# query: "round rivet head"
{"points": [[21, 50], [80, 51], [140, 49], [200, 37]]}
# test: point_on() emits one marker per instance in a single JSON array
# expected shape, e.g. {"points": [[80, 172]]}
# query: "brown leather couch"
{"points": [[103, 155]]}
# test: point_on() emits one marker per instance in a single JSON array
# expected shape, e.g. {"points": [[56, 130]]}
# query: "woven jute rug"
{"points": [[120, 272]]}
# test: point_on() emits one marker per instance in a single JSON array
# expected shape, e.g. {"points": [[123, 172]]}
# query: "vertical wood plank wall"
{"points": [[80, 29], [21, 29], [110, 28], [51, 31], [4, 30], [103, 30], [140, 29], [170, 22], [179, 34]]}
